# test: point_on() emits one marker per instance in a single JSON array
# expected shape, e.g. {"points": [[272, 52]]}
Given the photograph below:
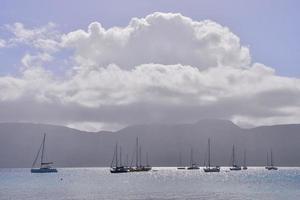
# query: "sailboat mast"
{"points": [[208, 152], [120, 156], [267, 159], [43, 149], [147, 161], [271, 158], [180, 159], [140, 156], [191, 161], [116, 154], [137, 152], [233, 156], [244, 158], [112, 162]]}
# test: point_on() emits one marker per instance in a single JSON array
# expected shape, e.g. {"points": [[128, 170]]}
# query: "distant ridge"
{"points": [[217, 122], [73, 148]]}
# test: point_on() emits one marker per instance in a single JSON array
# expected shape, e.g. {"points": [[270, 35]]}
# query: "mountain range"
{"points": [[19, 143]]}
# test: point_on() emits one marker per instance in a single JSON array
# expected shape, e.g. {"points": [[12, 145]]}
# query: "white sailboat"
{"points": [[208, 168], [45, 167], [234, 167]]}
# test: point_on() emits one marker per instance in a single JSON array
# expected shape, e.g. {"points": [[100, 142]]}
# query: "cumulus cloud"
{"points": [[162, 38], [39, 59], [161, 68], [2, 43], [44, 38]]}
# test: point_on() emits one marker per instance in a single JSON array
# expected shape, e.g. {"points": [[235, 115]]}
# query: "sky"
{"points": [[97, 65]]}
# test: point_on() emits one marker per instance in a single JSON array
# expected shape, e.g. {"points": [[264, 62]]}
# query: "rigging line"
{"points": [[132, 159], [43, 149], [34, 162], [112, 162]]}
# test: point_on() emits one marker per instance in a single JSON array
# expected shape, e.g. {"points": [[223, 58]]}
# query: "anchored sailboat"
{"points": [[117, 168], [138, 165], [180, 162], [208, 168], [45, 167], [147, 167], [267, 164], [271, 166], [245, 165], [234, 167], [193, 165]]}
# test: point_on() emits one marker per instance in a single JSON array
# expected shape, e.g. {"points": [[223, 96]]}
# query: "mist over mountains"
{"points": [[19, 143]]}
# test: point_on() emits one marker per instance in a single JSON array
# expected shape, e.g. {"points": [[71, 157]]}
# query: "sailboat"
{"points": [[180, 162], [45, 167], [138, 165], [117, 168], [193, 165], [147, 167], [208, 168], [271, 166], [267, 164], [234, 167], [245, 165]]}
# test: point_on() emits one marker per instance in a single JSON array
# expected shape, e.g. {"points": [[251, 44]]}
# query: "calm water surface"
{"points": [[166, 183]]}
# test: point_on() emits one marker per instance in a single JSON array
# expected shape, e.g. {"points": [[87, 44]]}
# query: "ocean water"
{"points": [[165, 183]]}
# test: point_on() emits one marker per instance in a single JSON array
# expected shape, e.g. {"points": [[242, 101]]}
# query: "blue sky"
{"points": [[270, 28]]}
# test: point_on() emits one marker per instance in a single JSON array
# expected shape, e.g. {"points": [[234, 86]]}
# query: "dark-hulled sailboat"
{"points": [[271, 166], [245, 164], [267, 164], [193, 165], [45, 167], [208, 168], [180, 166], [235, 166], [118, 168], [138, 164]]}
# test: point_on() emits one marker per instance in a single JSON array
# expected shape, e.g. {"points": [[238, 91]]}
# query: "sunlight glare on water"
{"points": [[166, 183]]}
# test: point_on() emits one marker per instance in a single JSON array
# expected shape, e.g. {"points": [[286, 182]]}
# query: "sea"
{"points": [[163, 183]]}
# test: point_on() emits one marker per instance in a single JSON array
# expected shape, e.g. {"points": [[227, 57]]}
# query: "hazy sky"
{"points": [[104, 65]]}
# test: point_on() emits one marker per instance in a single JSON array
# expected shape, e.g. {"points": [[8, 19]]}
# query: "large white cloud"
{"points": [[159, 38], [163, 68]]}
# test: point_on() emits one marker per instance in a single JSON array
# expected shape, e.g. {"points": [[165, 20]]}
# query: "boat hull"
{"points": [[147, 168], [116, 170], [271, 168], [235, 168], [181, 168], [211, 169], [44, 170], [193, 168], [140, 169]]}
